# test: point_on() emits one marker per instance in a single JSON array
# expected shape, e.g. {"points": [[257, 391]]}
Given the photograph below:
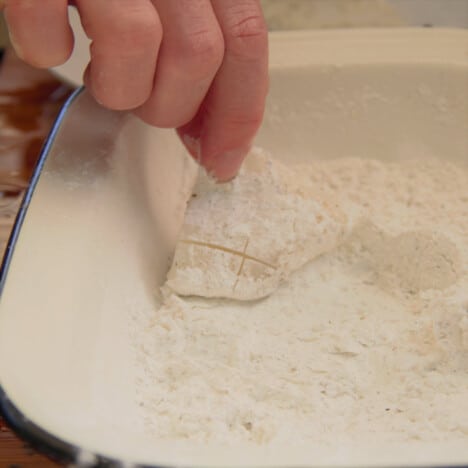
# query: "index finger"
{"points": [[233, 109]]}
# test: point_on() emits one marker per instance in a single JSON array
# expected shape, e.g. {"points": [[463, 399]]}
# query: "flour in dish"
{"points": [[365, 341]]}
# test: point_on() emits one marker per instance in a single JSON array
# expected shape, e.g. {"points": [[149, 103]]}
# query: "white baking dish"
{"points": [[102, 219]]}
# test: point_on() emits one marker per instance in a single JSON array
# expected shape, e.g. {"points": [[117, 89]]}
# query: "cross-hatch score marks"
{"points": [[243, 255]]}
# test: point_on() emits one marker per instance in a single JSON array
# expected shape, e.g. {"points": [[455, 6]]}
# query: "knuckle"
{"points": [[139, 28], [247, 37], [201, 51]]}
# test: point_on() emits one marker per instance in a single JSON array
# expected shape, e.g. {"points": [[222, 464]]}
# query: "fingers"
{"points": [[191, 53], [126, 36], [208, 76], [230, 116], [39, 31]]}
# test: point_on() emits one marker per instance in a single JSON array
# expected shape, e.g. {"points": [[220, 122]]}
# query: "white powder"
{"points": [[242, 239], [368, 343]]}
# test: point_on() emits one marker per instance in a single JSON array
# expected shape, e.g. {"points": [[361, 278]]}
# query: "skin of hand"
{"points": [[200, 66]]}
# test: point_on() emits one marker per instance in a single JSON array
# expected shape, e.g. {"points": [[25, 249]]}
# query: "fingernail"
{"points": [[15, 45], [88, 85], [226, 166], [87, 78]]}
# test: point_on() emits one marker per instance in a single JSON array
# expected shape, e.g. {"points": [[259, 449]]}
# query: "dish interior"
{"points": [[101, 226]]}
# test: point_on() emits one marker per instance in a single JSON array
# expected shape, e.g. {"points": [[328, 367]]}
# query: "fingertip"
{"points": [[222, 165], [40, 33], [63, 54], [147, 113], [114, 98], [225, 166], [41, 61], [89, 86], [49, 60]]}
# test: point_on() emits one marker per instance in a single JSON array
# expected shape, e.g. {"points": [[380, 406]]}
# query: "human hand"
{"points": [[200, 66]]}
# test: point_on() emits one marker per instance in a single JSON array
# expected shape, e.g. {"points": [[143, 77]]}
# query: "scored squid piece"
{"points": [[242, 239]]}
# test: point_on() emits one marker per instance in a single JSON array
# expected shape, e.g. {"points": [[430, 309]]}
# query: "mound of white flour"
{"points": [[368, 342]]}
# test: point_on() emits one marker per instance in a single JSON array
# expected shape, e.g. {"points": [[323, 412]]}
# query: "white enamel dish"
{"points": [[97, 225]]}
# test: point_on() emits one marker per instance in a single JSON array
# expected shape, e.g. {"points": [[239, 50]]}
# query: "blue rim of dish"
{"points": [[34, 435], [46, 443]]}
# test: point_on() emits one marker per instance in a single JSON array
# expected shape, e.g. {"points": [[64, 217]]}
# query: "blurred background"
{"points": [[306, 14], [300, 14]]}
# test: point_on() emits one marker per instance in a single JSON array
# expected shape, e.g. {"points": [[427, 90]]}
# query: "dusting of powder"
{"points": [[369, 342], [242, 239]]}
